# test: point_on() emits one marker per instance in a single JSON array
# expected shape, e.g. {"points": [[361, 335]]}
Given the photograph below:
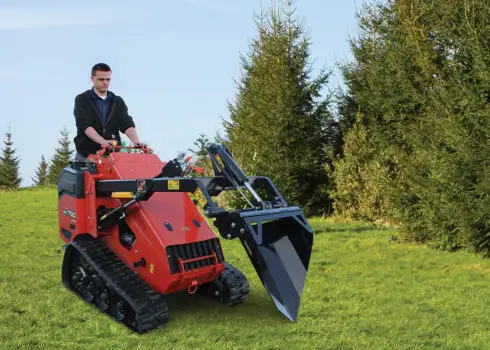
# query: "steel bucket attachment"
{"points": [[277, 238], [278, 243]]}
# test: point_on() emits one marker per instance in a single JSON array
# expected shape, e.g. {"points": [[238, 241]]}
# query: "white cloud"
{"points": [[12, 18]]}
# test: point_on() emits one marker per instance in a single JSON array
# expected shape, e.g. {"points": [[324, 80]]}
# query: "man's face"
{"points": [[101, 81]]}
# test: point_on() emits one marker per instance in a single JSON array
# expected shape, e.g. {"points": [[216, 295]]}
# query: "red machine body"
{"points": [[169, 229], [135, 231]]}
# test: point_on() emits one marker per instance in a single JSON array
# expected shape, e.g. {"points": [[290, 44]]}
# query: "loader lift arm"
{"points": [[203, 188]]}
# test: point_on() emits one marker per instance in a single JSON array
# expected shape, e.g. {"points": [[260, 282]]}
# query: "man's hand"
{"points": [[133, 136], [109, 144]]}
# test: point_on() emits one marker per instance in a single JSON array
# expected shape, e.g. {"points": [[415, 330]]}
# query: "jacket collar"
{"points": [[93, 95]]}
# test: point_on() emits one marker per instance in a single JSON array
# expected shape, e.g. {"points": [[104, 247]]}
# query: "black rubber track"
{"points": [[231, 287], [149, 309]]}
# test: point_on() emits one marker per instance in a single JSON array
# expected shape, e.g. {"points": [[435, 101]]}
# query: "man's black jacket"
{"points": [[88, 114]]}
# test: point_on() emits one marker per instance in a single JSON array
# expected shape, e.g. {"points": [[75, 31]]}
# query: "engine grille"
{"points": [[193, 251]]}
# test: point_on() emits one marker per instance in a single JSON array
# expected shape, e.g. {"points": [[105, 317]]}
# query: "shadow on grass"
{"points": [[183, 306], [199, 311]]}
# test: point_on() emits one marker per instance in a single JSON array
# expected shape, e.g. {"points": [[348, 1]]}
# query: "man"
{"points": [[100, 115]]}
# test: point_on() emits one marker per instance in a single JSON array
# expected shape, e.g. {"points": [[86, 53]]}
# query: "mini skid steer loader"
{"points": [[134, 233]]}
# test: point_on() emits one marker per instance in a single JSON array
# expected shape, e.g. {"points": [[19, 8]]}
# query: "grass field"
{"points": [[363, 292]]}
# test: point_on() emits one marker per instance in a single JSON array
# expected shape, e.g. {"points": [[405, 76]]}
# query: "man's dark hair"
{"points": [[102, 67]]}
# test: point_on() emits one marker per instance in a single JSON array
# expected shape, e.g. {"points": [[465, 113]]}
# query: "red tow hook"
{"points": [[192, 287]]}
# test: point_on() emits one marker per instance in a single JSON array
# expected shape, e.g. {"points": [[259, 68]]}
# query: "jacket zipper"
{"points": [[109, 115], [100, 116]]}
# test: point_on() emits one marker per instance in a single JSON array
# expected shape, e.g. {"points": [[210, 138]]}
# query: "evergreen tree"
{"points": [[201, 144], [279, 123], [61, 158], [41, 176], [419, 90], [363, 187], [9, 166], [200, 154]]}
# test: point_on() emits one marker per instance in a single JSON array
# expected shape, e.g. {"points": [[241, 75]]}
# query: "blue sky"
{"points": [[174, 63]]}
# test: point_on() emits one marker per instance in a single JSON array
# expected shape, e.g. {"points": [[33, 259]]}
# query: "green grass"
{"points": [[363, 292]]}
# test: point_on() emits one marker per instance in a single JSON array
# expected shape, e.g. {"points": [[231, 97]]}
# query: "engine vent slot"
{"points": [[194, 255]]}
